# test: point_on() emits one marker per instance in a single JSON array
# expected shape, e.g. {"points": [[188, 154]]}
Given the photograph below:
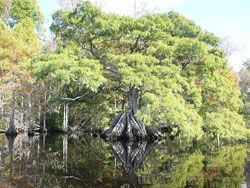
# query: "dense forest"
{"points": [[99, 68]]}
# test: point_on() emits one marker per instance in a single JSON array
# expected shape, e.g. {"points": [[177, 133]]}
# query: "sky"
{"points": [[225, 18]]}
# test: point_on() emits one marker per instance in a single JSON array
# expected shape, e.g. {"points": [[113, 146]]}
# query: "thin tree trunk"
{"points": [[12, 130], [180, 140], [30, 113], [65, 117], [2, 113], [218, 140], [39, 113], [38, 146], [44, 122], [22, 112], [115, 105], [218, 136], [44, 115]]}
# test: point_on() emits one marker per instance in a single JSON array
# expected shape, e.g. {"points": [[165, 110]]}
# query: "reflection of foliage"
{"points": [[175, 170], [91, 163], [196, 168], [223, 168], [2, 126], [2, 137]]}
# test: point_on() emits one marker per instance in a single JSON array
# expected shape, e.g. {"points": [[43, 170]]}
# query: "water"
{"points": [[82, 161]]}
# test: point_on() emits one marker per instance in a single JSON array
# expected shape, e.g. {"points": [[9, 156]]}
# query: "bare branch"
{"points": [[229, 47], [111, 69], [76, 98], [68, 4]]}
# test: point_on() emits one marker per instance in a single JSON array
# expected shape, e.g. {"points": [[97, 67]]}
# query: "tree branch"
{"points": [[76, 98], [111, 69], [135, 45], [92, 50]]}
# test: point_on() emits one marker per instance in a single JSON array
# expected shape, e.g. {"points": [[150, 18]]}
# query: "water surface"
{"points": [[84, 161]]}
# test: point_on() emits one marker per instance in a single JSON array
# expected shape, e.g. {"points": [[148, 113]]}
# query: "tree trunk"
{"points": [[30, 115], [65, 117], [39, 113], [133, 100], [218, 140], [44, 122], [2, 112], [126, 126], [115, 105], [22, 112], [12, 131]]}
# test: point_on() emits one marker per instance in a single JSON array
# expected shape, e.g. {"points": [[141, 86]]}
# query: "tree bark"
{"points": [[39, 113], [12, 131], [126, 126], [65, 117], [2, 113], [133, 100], [22, 112], [44, 122]]}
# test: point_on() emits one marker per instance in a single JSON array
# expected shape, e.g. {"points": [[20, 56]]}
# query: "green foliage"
{"points": [[227, 124], [23, 9], [180, 73], [244, 76], [65, 68], [181, 76]]}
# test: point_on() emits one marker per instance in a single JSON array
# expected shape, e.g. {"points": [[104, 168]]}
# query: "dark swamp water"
{"points": [[71, 161]]}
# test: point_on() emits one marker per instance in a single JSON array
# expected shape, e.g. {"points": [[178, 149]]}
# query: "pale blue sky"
{"points": [[224, 18]]}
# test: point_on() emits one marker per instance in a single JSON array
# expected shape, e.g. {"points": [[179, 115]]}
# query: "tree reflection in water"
{"points": [[63, 161], [11, 147], [132, 155]]}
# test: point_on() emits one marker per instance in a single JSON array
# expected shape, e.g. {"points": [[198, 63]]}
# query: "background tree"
{"points": [[5, 10], [22, 9], [244, 76], [68, 4], [67, 77], [17, 44], [229, 47]]}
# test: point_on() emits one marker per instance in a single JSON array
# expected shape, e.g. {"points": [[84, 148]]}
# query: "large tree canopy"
{"points": [[172, 72]]}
